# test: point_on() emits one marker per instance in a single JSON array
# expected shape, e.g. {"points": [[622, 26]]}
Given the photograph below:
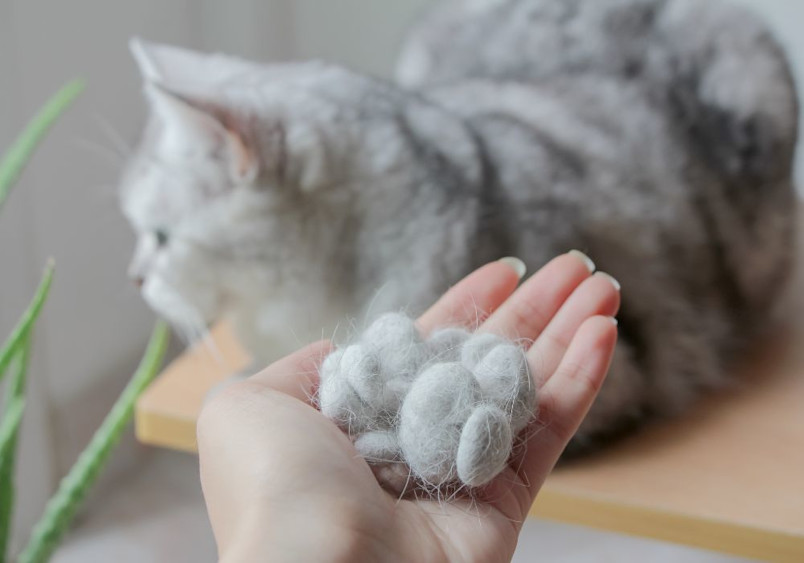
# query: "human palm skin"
{"points": [[283, 483]]}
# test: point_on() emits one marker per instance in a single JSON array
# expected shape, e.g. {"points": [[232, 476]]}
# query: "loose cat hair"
{"points": [[657, 136], [442, 410]]}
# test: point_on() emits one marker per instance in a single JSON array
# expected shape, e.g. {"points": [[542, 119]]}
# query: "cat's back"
{"points": [[647, 94], [526, 39], [658, 136], [576, 141]]}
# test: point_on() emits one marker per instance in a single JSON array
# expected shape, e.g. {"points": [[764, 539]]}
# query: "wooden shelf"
{"points": [[166, 412], [728, 475]]}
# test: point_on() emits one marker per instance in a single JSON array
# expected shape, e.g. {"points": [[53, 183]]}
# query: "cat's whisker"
{"points": [[182, 334], [111, 156], [124, 150], [101, 188], [299, 341], [204, 337], [211, 346], [374, 299]]}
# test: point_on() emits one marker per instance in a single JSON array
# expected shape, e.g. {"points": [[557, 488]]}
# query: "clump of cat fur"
{"points": [[446, 408]]}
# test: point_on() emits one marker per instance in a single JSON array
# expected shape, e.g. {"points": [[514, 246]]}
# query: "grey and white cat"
{"points": [[655, 135]]}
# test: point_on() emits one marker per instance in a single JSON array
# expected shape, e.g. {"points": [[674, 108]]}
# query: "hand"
{"points": [[283, 483]]}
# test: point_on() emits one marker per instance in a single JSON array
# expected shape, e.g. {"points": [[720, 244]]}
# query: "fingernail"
{"points": [[516, 265], [613, 281], [614, 321], [584, 258]]}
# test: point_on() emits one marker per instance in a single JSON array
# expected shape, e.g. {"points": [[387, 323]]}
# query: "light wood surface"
{"points": [[728, 475], [166, 413]]}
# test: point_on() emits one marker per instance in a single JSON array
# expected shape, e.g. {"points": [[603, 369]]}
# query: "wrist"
{"points": [[295, 536]]}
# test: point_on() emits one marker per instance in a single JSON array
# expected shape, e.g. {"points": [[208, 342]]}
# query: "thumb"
{"points": [[297, 374]]}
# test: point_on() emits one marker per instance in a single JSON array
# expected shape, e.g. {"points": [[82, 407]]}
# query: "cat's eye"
{"points": [[161, 237]]}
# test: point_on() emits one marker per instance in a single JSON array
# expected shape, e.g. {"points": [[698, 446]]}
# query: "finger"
{"points": [[530, 309], [597, 295], [475, 297], [566, 398], [297, 374]]}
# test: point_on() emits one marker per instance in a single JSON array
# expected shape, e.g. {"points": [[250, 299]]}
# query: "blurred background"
{"points": [[95, 326]]}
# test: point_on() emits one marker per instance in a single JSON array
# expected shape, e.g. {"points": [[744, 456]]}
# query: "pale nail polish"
{"points": [[584, 258], [516, 265], [614, 321], [613, 281]]}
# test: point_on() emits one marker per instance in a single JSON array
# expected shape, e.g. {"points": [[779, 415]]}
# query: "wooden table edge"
{"points": [[164, 430], [603, 513]]}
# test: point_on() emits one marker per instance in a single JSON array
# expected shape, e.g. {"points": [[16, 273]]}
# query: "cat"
{"points": [[655, 135]]}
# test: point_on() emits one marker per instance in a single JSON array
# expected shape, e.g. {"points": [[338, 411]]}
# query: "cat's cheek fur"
{"points": [[179, 287], [191, 309]]}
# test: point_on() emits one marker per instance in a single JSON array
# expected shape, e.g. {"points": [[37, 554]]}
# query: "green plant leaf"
{"points": [[9, 429], [20, 332], [20, 152], [9, 436], [17, 348], [8, 426], [61, 509]]}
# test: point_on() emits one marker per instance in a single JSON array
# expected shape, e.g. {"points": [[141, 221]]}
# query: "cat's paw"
{"points": [[362, 385], [505, 381], [444, 410], [431, 420], [460, 418], [485, 445]]}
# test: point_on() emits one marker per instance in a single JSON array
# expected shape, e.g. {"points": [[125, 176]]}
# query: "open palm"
{"points": [[283, 483]]}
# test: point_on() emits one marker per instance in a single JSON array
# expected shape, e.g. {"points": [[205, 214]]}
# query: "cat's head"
{"points": [[189, 191]]}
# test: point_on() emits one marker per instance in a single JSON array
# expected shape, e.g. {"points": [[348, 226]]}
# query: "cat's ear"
{"points": [[191, 125], [185, 69], [169, 65], [145, 59]]}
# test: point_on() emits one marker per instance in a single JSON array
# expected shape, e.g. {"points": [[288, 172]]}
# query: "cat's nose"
{"points": [[138, 281]]}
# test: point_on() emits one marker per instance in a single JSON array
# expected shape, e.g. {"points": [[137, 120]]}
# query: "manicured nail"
{"points": [[613, 281], [516, 265], [584, 258]]}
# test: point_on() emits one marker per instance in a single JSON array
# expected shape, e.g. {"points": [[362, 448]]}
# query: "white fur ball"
{"points": [[443, 411], [432, 418]]}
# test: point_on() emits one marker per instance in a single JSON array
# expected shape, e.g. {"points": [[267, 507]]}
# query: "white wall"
{"points": [[95, 325]]}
